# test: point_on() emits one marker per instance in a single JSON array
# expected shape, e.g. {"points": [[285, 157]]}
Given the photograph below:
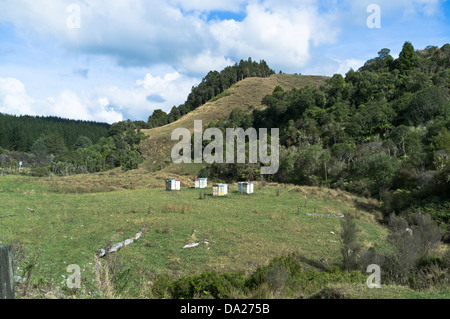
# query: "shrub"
{"points": [[288, 265], [329, 293], [287, 274], [361, 187], [379, 168], [404, 178], [132, 160], [161, 287], [207, 285], [412, 261], [282, 277], [431, 271], [350, 247], [40, 172], [398, 201]]}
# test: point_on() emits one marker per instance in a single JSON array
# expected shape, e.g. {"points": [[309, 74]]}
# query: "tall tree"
{"points": [[55, 144], [406, 60], [16, 139]]}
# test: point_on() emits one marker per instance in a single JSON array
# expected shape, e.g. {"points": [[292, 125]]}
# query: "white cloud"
{"points": [[70, 105], [397, 9], [176, 33], [103, 104], [427, 7], [209, 5], [150, 93], [205, 62], [346, 65], [15, 100], [282, 36]]}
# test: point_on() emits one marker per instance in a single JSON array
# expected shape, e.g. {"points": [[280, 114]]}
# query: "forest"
{"points": [[64, 147], [382, 131], [19, 133]]}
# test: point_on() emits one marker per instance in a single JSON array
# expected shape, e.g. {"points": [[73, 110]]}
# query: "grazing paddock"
{"points": [[55, 224]]}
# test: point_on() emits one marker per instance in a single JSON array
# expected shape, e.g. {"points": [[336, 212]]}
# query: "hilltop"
{"points": [[246, 94]]}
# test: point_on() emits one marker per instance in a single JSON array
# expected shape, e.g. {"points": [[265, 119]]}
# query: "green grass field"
{"points": [[70, 223]]}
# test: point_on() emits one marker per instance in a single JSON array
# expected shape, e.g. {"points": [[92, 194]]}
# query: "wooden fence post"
{"points": [[6, 273]]}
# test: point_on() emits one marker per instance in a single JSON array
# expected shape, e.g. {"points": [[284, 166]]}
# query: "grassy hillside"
{"points": [[243, 94]]}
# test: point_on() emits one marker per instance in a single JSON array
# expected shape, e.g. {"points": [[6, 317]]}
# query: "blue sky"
{"points": [[127, 58]]}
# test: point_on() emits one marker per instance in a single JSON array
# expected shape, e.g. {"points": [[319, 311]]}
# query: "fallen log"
{"points": [[103, 251], [196, 244]]}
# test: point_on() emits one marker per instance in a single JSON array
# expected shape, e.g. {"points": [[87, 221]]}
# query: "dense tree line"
{"points": [[119, 149], [65, 147], [381, 131], [213, 84], [23, 133]]}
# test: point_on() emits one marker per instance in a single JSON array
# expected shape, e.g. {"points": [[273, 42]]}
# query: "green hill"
{"points": [[246, 94]]}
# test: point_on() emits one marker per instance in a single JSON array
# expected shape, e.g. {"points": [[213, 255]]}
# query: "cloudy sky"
{"points": [[112, 60]]}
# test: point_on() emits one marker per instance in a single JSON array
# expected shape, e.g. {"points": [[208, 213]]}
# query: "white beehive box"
{"points": [[245, 187], [220, 189], [172, 185], [201, 183]]}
